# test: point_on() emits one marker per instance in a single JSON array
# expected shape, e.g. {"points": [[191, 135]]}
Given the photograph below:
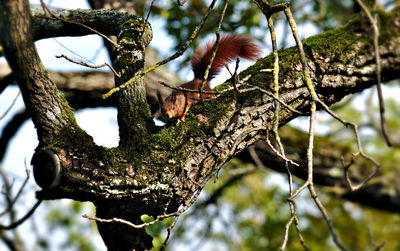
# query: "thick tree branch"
{"points": [[42, 99], [134, 117], [106, 22]]}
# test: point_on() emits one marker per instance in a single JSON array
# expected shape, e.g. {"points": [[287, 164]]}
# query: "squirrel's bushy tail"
{"points": [[229, 48]]}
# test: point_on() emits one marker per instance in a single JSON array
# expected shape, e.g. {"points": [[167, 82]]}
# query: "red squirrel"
{"points": [[230, 46]]}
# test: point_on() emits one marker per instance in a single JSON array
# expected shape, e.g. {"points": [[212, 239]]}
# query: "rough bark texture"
{"points": [[49, 112], [156, 170], [104, 21]]}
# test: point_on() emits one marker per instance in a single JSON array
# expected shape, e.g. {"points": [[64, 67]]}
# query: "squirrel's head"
{"points": [[173, 106]]}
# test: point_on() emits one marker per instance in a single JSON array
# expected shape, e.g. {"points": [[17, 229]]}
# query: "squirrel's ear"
{"points": [[160, 98], [173, 97]]}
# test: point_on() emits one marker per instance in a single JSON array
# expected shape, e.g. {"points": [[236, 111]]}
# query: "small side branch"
{"points": [[11, 106], [23, 219], [374, 23], [215, 48], [89, 66], [11, 202]]}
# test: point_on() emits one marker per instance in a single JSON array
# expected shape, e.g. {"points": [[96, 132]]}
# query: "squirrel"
{"points": [[230, 46]]}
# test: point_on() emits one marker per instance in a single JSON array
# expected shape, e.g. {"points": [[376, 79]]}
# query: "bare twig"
{"points": [[23, 219], [15, 223], [11, 106], [89, 66], [359, 147], [151, 7], [235, 77], [232, 151], [286, 106], [326, 218], [395, 142], [256, 159], [215, 48], [76, 54], [179, 88], [374, 23], [373, 242], [164, 245], [278, 153], [119, 220], [346, 169], [11, 201]]}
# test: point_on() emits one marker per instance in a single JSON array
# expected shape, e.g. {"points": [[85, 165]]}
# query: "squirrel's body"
{"points": [[229, 48]]}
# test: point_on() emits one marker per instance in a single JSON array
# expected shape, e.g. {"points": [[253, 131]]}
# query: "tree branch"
{"points": [[106, 22], [42, 99]]}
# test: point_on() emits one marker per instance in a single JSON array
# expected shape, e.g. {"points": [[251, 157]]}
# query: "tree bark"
{"points": [[42, 99]]}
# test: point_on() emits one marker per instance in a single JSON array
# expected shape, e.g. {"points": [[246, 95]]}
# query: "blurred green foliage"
{"points": [[66, 214]]}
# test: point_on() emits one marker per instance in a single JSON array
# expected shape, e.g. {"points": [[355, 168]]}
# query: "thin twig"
{"points": [[215, 47], [235, 77], [286, 235], [278, 153], [76, 54], [373, 242], [253, 87], [179, 88], [255, 158], [346, 169], [374, 23], [359, 147], [11, 202], [87, 65], [286, 106], [234, 147], [169, 230], [23, 219], [326, 218], [151, 7], [11, 106], [373, 122]]}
